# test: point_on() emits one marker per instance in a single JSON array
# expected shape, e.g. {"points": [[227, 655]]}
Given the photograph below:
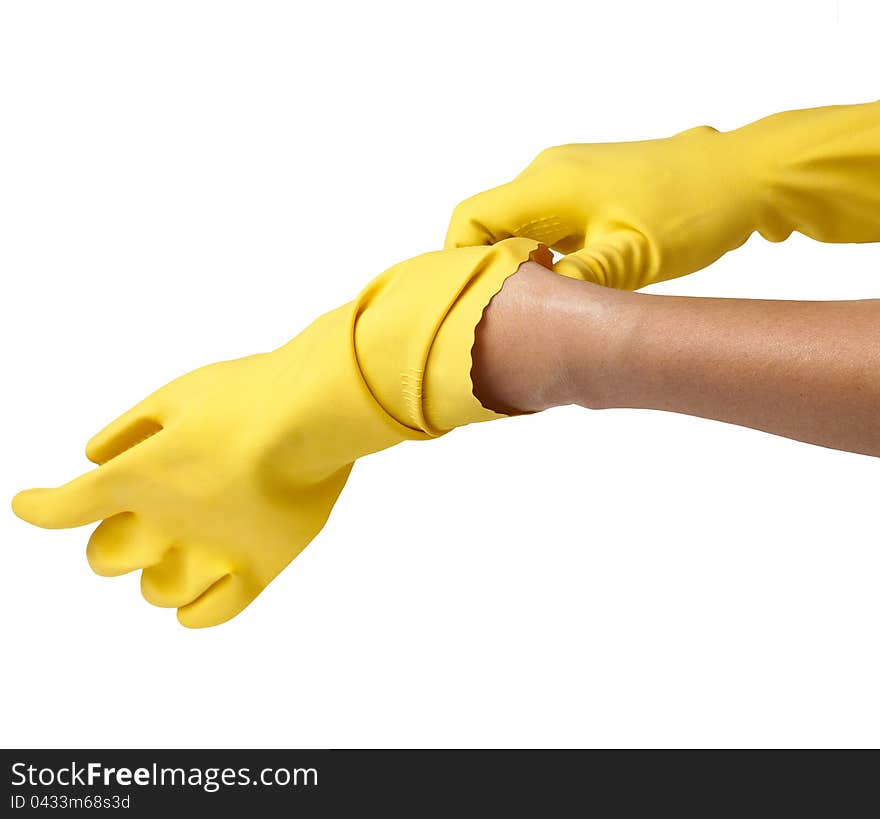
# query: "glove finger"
{"points": [[220, 603], [180, 577], [122, 544], [129, 429], [83, 500], [470, 222], [620, 260], [98, 494], [515, 209]]}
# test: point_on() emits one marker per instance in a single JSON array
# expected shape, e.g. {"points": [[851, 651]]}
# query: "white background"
{"points": [[185, 182]]}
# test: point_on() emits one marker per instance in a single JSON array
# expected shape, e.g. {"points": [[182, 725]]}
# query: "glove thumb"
{"points": [[620, 258]]}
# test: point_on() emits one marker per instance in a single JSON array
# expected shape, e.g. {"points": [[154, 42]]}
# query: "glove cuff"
{"points": [[414, 331], [449, 399]]}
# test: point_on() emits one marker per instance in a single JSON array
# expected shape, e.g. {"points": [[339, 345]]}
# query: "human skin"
{"points": [[805, 370]]}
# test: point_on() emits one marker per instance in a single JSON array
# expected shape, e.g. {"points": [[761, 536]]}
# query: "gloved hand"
{"points": [[214, 483], [633, 213]]}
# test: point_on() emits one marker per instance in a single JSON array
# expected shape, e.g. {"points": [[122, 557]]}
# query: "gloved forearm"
{"points": [[632, 213], [817, 171], [805, 370]]}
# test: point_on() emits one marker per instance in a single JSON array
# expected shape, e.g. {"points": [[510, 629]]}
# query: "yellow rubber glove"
{"points": [[214, 483], [633, 213]]}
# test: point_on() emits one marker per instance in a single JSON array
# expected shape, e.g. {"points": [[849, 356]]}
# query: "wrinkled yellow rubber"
{"points": [[633, 213], [215, 482]]}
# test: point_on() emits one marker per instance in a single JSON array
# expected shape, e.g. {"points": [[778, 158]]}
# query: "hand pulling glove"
{"points": [[634, 213], [215, 482]]}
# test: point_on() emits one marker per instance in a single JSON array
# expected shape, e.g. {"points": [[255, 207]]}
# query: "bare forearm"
{"points": [[806, 370]]}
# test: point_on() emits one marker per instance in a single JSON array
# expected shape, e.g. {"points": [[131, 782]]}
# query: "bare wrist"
{"points": [[601, 346], [546, 341]]}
